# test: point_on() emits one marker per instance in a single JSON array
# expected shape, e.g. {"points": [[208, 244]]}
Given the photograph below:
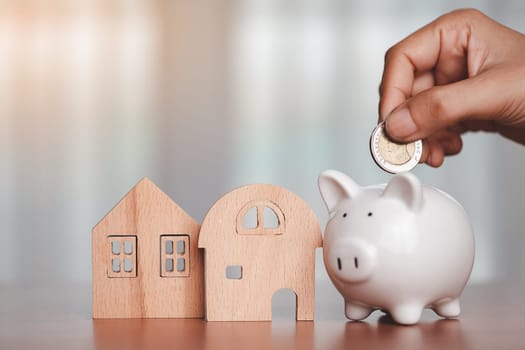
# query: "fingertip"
{"points": [[436, 156], [437, 161], [432, 153], [450, 141]]}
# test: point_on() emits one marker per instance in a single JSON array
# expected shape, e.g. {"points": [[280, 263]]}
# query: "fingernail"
{"points": [[399, 124]]}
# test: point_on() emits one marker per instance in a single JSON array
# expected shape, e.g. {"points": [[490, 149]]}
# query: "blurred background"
{"points": [[205, 96]]}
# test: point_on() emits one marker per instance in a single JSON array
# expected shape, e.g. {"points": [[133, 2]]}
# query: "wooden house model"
{"points": [[146, 262], [247, 262]]}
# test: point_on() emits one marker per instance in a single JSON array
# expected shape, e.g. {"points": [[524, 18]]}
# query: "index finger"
{"points": [[419, 52]]}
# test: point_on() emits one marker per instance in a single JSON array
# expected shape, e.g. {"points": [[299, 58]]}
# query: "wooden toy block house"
{"points": [[246, 264], [146, 262]]}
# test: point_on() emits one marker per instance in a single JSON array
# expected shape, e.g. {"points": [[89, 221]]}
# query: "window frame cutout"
{"points": [[121, 256], [260, 228], [178, 257]]}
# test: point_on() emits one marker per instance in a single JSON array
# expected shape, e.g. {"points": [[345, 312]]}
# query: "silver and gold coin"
{"points": [[391, 156]]}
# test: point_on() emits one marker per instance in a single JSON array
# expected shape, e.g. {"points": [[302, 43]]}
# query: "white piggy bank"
{"points": [[400, 247]]}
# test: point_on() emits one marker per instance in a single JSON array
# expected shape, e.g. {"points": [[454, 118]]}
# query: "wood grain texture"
{"points": [[147, 213], [270, 259]]}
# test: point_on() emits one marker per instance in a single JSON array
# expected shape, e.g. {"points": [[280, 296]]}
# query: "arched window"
{"points": [[260, 218]]}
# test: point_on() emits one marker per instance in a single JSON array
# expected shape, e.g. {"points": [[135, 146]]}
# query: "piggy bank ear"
{"points": [[407, 188], [335, 187]]}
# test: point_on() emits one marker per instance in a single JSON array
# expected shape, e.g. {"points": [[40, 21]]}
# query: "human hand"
{"points": [[462, 72]]}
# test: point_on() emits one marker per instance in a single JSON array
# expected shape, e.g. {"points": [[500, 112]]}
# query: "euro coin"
{"points": [[391, 156]]}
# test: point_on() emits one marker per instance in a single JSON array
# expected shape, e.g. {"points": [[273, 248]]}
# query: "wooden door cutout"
{"points": [[284, 305]]}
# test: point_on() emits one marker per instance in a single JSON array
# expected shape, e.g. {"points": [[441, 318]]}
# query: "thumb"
{"points": [[440, 107]]}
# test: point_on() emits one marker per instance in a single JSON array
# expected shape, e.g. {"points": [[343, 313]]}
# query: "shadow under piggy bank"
{"points": [[387, 334]]}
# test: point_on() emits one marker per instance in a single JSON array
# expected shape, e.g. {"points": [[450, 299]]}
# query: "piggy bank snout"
{"points": [[351, 260]]}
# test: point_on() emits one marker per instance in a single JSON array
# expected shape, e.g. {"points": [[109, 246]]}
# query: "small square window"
{"points": [[234, 272]]}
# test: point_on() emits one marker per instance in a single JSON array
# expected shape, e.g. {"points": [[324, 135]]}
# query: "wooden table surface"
{"points": [[493, 317]]}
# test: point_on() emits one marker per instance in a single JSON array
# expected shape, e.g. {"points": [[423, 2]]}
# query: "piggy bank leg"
{"points": [[356, 312], [447, 308], [406, 314]]}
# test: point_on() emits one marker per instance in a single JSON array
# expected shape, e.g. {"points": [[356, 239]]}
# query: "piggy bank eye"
{"points": [[345, 215], [369, 213]]}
